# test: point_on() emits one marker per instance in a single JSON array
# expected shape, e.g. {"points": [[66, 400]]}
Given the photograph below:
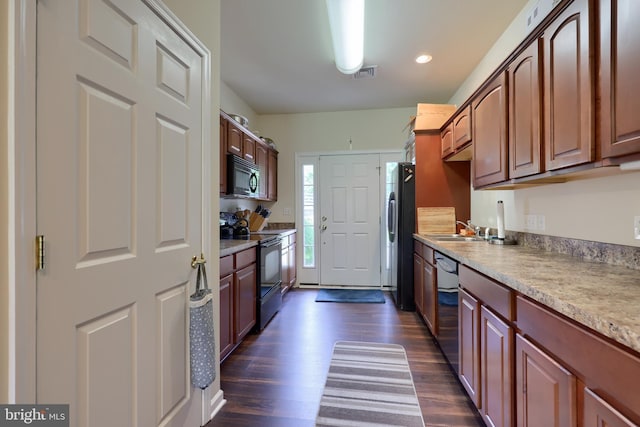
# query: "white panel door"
{"points": [[350, 220], [119, 190]]}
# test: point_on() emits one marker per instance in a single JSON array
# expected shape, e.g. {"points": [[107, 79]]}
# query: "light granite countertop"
{"points": [[603, 297], [231, 246]]}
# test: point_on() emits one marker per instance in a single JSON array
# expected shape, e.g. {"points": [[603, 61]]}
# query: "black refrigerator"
{"points": [[401, 219]]}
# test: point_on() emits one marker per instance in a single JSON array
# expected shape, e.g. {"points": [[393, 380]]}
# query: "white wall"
{"points": [[598, 209], [231, 103], [324, 132]]}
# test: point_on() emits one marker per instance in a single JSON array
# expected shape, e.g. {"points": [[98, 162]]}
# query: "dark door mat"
{"points": [[371, 296]]}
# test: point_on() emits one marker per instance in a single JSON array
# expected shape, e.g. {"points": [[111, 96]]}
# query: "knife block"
{"points": [[256, 222]]}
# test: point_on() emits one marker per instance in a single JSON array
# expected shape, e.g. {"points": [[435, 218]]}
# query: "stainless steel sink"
{"points": [[454, 238]]}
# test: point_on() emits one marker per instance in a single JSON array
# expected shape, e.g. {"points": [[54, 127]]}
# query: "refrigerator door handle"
{"points": [[391, 217]]}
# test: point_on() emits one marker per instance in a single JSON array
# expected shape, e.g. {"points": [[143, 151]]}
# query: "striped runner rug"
{"points": [[369, 384]]}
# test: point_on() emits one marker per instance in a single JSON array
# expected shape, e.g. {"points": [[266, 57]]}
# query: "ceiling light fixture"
{"points": [[423, 59], [346, 18]]}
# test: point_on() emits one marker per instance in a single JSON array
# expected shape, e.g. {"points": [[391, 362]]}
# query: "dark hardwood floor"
{"points": [[276, 378]]}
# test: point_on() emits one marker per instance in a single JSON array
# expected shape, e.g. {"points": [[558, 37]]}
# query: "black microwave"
{"points": [[242, 177]]}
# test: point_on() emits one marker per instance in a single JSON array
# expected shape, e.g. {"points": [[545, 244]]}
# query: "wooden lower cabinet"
{"points": [[417, 281], [289, 272], [425, 291], [226, 315], [244, 301], [238, 293], [599, 413], [496, 370], [469, 345], [545, 390]]}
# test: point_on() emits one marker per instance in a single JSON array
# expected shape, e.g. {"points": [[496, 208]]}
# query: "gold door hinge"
{"points": [[40, 254]]}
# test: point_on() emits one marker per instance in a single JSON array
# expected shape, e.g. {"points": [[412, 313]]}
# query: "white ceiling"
{"points": [[277, 56]]}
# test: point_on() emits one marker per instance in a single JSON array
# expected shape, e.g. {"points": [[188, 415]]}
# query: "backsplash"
{"points": [[280, 226], [624, 256]]}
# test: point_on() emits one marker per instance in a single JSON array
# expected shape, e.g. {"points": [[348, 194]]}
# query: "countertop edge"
{"points": [[598, 322], [231, 246]]}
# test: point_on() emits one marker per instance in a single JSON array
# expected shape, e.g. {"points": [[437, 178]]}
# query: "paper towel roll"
{"points": [[500, 219]]}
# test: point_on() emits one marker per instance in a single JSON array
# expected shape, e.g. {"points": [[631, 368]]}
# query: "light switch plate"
{"points": [[636, 227]]}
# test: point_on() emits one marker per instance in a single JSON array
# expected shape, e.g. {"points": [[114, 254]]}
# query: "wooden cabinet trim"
{"points": [[490, 292]]}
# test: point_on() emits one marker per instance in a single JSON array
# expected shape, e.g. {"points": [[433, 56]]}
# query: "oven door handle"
{"points": [[271, 243]]}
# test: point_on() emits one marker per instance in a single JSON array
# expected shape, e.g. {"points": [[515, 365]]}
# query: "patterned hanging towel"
{"points": [[202, 344]]}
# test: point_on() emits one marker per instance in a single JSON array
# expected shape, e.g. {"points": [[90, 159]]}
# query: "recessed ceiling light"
{"points": [[423, 59]]}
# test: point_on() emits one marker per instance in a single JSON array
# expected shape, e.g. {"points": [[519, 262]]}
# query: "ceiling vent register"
{"points": [[365, 73]]}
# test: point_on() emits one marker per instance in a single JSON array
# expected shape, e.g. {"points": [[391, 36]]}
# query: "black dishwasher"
{"points": [[447, 279]]}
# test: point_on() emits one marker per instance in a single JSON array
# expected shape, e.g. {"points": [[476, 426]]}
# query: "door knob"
{"points": [[324, 227], [324, 218]]}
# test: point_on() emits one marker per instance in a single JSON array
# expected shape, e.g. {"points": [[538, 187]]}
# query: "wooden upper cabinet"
{"points": [[446, 139], [234, 138], [619, 83], [272, 178], [525, 126], [490, 133], [223, 155], [248, 148], [262, 161], [568, 88], [462, 128]]}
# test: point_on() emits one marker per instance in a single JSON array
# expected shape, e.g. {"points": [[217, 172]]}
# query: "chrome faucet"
{"points": [[469, 226]]}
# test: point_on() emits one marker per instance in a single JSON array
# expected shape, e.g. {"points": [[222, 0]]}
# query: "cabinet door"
{"points": [[429, 297], [234, 139], [292, 265], [248, 148], [226, 313], [262, 161], [568, 88], [619, 65], [418, 272], [469, 342], [272, 181], [446, 140], [598, 413], [525, 126], [462, 128], [285, 269], [244, 301], [223, 155], [490, 134], [545, 391], [496, 344]]}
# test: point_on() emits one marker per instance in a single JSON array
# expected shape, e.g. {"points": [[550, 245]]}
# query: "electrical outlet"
{"points": [[531, 222], [636, 227], [541, 223], [286, 211]]}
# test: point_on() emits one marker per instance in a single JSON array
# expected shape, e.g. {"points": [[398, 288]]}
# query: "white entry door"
{"points": [[350, 220], [119, 190]]}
